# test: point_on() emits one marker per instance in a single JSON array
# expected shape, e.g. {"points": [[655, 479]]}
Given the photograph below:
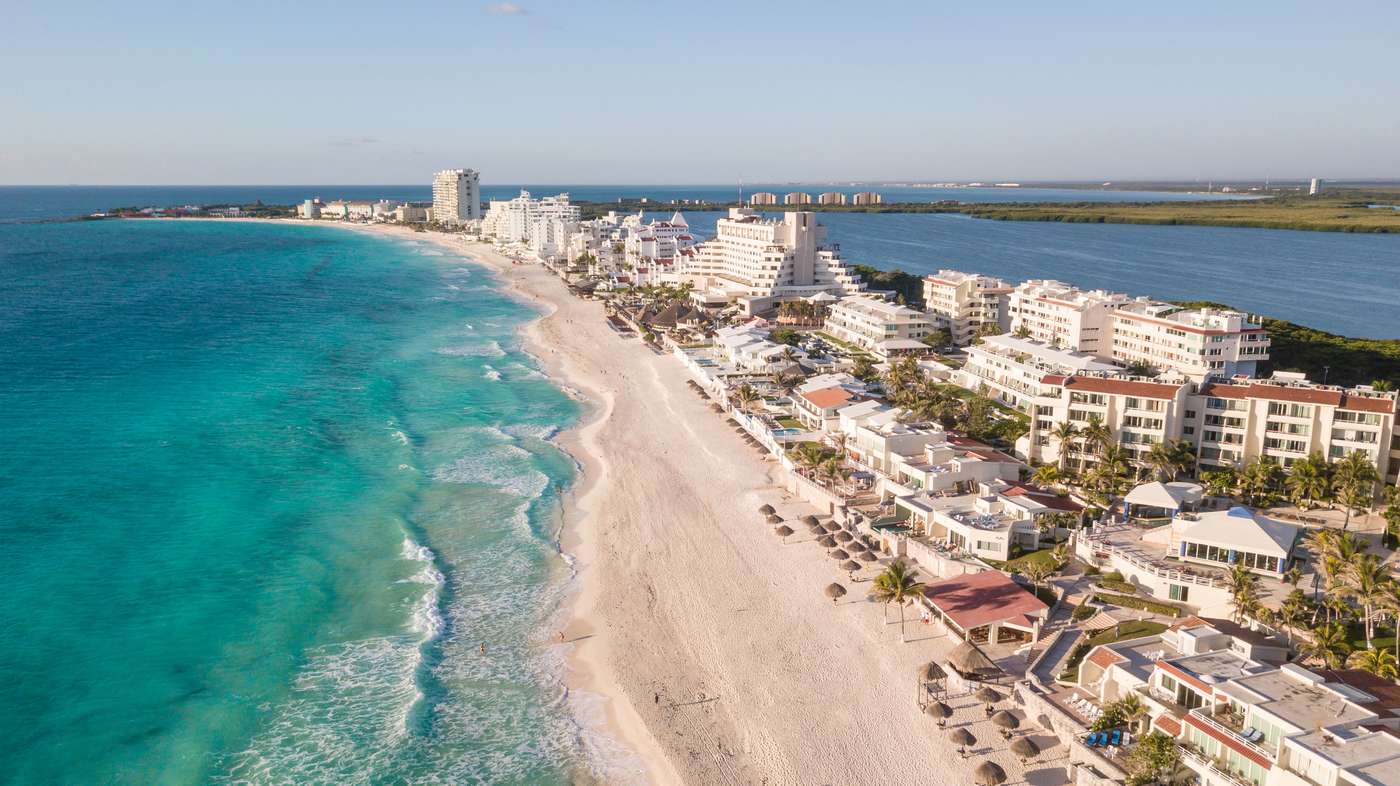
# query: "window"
{"points": [[1178, 593]]}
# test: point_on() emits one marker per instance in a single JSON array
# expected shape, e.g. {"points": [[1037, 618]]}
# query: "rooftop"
{"points": [[977, 599]]}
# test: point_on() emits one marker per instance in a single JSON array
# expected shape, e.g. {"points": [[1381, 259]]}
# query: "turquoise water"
{"points": [[266, 490]]}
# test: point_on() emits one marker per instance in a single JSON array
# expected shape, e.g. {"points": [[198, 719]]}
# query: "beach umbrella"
{"points": [[830, 526], [931, 671], [844, 537], [987, 694], [827, 541], [835, 591], [961, 736], [810, 520], [990, 773], [1025, 747], [867, 556], [774, 518], [938, 711], [850, 566], [767, 510], [856, 545], [1005, 720], [783, 531], [839, 554]]}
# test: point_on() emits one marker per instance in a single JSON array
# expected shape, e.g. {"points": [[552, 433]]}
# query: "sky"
{"points": [[707, 91]]}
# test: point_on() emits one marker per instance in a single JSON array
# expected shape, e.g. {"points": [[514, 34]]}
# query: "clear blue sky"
{"points": [[704, 91]]}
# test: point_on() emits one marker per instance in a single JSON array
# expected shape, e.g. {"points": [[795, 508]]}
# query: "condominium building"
{"points": [[1059, 314], [1197, 342], [866, 198], [758, 262], [657, 244], [763, 198], [884, 327], [966, 304], [410, 214], [831, 198], [542, 222], [1138, 414], [1287, 418], [310, 209], [797, 198], [1239, 717], [1012, 370], [456, 196]]}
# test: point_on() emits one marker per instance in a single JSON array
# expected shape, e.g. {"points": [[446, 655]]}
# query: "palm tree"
{"points": [[1132, 710], [1163, 460], [896, 585], [1309, 481], [1097, 436], [1046, 475], [1381, 663], [1329, 645], [1064, 433], [1382, 385], [809, 454], [1259, 480], [1364, 579], [746, 395], [832, 469], [1244, 596], [1221, 482], [1037, 571], [1293, 610], [1354, 480], [1292, 576], [787, 382]]}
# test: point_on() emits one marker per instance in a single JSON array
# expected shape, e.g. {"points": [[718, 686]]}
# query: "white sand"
{"points": [[721, 659]]}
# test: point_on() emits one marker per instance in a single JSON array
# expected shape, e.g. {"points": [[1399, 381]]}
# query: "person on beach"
{"points": [[483, 648]]}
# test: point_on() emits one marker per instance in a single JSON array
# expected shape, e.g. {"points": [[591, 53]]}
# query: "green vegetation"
{"points": [[1133, 629], [907, 285], [1142, 604], [1319, 354], [1020, 564], [1336, 211]]}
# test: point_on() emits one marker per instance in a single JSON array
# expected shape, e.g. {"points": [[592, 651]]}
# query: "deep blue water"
{"points": [[264, 491], [45, 202]]}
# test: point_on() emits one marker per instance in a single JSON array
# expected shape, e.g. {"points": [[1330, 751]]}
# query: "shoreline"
{"points": [[716, 654]]}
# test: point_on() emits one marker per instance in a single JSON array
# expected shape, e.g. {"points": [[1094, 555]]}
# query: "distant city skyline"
{"points": [[550, 92]]}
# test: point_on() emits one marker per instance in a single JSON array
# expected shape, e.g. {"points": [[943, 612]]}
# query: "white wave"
{"points": [[427, 618], [400, 436], [541, 431], [430, 252], [492, 374], [499, 466], [490, 349]]}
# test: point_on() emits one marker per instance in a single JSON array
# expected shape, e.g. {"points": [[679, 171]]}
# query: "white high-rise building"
{"points": [[1315, 186], [966, 303], [758, 262], [1197, 342], [456, 196], [879, 325], [543, 224], [1064, 317]]}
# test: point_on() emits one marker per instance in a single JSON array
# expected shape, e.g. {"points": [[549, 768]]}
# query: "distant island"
{"points": [[1347, 211]]}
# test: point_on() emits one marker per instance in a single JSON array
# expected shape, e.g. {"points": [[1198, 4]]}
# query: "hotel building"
{"points": [[541, 223], [763, 198], [831, 198], [758, 262], [797, 198], [1012, 370], [1139, 414], [1197, 342], [1058, 314], [866, 198], [456, 196], [1287, 418], [966, 304], [1242, 719], [879, 325]]}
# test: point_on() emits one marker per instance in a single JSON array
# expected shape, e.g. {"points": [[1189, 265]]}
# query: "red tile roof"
{"points": [[827, 398], [977, 599], [1047, 498], [1301, 395], [1105, 657], [1122, 387], [1168, 724]]}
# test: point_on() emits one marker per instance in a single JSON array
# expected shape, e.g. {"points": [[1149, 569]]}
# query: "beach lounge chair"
{"points": [[1115, 737], [1103, 739], [1091, 739]]}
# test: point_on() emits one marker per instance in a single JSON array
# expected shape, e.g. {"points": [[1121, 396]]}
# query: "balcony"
{"points": [[1233, 727], [1203, 764]]}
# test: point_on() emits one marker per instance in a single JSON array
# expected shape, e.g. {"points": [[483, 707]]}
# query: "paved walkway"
{"points": [[1050, 666]]}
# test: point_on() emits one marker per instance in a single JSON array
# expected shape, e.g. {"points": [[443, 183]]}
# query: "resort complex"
{"points": [[1110, 508]]}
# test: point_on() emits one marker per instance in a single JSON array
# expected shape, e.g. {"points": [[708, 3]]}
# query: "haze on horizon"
{"points": [[639, 92]]}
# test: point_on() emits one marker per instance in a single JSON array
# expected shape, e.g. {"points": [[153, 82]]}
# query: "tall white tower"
{"points": [[456, 196]]}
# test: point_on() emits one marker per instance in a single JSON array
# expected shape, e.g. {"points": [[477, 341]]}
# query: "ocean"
{"points": [[267, 493], [29, 203]]}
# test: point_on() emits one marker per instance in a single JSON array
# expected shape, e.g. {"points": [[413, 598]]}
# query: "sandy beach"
{"points": [[720, 659]]}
